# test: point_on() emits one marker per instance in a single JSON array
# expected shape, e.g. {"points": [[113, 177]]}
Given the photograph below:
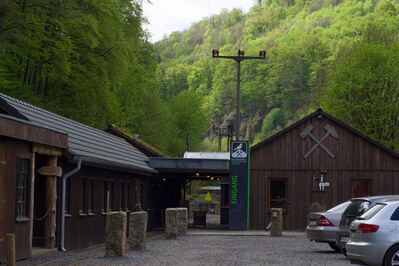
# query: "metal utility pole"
{"points": [[240, 57]]}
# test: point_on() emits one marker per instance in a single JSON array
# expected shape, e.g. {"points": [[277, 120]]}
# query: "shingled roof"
{"points": [[140, 144], [94, 146]]}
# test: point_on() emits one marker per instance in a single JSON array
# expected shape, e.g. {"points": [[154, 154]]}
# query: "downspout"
{"points": [[64, 178]]}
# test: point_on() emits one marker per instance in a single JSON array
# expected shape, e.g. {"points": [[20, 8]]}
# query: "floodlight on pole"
{"points": [[240, 57]]}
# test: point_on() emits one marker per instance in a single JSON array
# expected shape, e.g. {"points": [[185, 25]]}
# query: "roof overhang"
{"points": [[189, 166], [116, 166], [17, 128]]}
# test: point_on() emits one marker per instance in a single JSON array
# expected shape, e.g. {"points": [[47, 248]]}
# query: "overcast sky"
{"points": [[167, 16]]}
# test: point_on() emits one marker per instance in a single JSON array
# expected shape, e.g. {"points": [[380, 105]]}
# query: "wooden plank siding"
{"points": [[283, 157], [84, 230], [10, 150]]}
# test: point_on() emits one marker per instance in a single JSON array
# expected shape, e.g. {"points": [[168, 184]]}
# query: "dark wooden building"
{"points": [[110, 174], [319, 159], [21, 143]]}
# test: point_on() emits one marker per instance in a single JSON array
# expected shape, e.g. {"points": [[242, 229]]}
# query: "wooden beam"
{"points": [[51, 199], [50, 171], [46, 150]]}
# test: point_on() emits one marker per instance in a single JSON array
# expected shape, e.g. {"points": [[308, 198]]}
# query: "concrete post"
{"points": [[115, 234], [171, 230], [276, 228], [10, 249], [138, 230], [182, 221]]}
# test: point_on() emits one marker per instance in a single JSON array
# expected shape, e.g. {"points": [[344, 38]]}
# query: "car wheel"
{"points": [[334, 247], [392, 257]]}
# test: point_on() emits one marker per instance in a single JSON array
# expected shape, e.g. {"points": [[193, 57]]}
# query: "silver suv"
{"points": [[357, 207]]}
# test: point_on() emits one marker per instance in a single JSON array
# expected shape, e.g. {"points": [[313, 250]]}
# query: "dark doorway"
{"points": [[39, 208]]}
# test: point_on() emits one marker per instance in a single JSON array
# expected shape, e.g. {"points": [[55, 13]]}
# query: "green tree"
{"points": [[363, 90], [190, 117]]}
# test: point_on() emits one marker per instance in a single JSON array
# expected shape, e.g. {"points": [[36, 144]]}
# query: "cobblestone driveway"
{"points": [[208, 250]]}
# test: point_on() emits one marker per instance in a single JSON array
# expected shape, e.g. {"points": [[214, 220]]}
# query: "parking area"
{"points": [[208, 249]]}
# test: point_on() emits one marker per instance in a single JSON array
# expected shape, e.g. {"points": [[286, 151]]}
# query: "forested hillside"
{"points": [[340, 55], [90, 60]]}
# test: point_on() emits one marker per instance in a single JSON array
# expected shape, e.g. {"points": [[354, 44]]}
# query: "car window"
{"points": [[356, 208], [395, 215], [340, 208], [372, 211]]}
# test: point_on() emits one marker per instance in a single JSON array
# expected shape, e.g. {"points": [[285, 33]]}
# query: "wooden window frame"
{"points": [[68, 197], [111, 188], [122, 196], [25, 187], [104, 200], [270, 179], [128, 196], [91, 190], [83, 196], [361, 179]]}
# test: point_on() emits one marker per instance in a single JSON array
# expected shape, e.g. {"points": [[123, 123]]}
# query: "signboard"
{"points": [[239, 185], [208, 197]]}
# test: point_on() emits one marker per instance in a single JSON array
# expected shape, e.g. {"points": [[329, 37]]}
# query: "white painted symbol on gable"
{"points": [[308, 132], [240, 150]]}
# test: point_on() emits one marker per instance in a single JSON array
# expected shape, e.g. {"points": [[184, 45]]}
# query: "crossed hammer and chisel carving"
{"points": [[308, 132]]}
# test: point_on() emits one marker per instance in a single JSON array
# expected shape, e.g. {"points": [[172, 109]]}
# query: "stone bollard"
{"points": [[10, 249], [182, 221], [115, 234], [171, 230], [138, 230], [276, 228]]}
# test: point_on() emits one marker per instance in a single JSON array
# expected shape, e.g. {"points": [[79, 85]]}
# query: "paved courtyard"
{"points": [[213, 248]]}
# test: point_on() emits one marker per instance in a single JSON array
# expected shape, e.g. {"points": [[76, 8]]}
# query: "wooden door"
{"points": [[3, 210]]}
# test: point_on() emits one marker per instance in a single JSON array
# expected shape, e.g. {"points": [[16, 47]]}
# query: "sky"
{"points": [[167, 16]]}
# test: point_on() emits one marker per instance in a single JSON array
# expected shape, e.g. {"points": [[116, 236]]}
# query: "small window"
{"points": [[142, 196], [360, 188], [22, 190], [128, 199], [277, 193], [104, 197], [395, 215], [123, 197], [83, 195], [90, 197], [111, 195]]}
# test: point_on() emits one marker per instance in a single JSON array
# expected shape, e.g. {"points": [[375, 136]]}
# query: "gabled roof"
{"points": [[322, 113], [94, 146], [134, 140]]}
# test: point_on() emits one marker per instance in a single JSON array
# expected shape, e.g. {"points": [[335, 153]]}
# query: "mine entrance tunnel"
{"points": [[177, 174]]}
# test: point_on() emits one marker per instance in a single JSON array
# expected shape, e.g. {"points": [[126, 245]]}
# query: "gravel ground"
{"points": [[207, 250]]}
